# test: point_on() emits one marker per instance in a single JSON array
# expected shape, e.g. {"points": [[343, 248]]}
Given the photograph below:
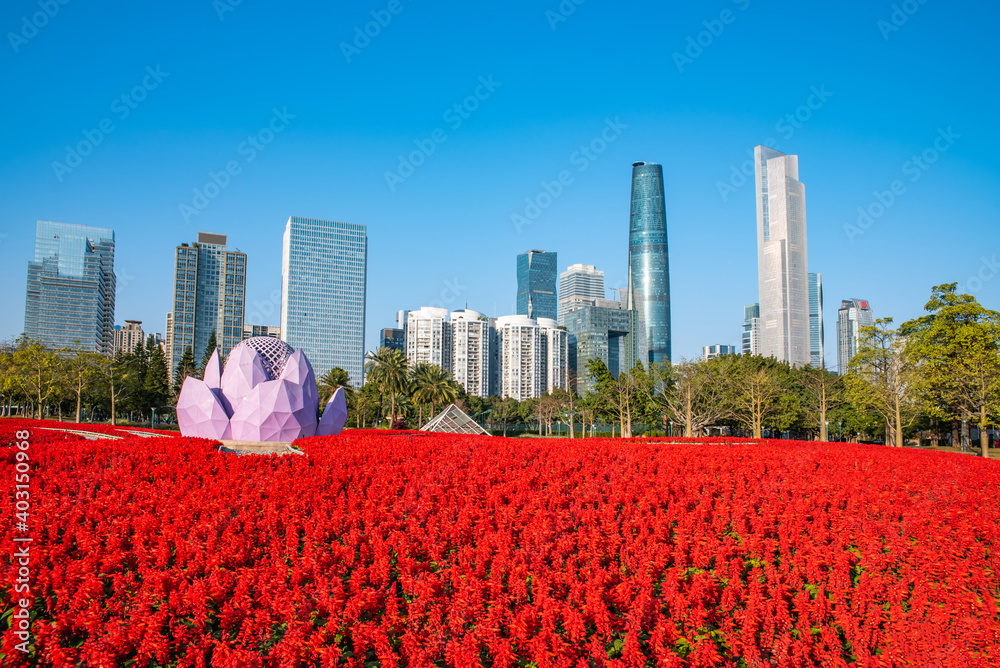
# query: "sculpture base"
{"points": [[258, 448]]}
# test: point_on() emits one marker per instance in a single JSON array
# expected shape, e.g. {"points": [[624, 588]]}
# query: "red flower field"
{"points": [[409, 549]]}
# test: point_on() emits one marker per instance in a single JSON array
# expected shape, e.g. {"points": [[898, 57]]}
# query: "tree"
{"points": [[419, 378], [207, 355], [619, 394], [436, 386], [958, 345], [38, 371], [822, 390], [82, 369], [505, 410], [755, 388], [387, 368], [692, 393], [156, 384], [883, 378], [185, 367], [332, 380]]}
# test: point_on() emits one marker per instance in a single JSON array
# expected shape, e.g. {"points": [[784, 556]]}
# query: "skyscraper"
{"points": [[817, 333], [209, 287], [127, 337], [751, 329], [70, 296], [324, 269], [473, 339], [579, 285], [852, 316], [536, 284], [603, 330], [428, 337], [783, 272], [718, 350], [648, 261], [533, 356]]}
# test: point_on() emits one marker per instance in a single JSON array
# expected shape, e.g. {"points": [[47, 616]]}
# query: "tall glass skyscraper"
{"points": [[209, 296], [324, 267], [751, 329], [782, 258], [648, 261], [70, 299], [536, 284], [817, 347]]}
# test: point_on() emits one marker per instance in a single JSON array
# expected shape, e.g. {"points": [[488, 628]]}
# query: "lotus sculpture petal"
{"points": [[267, 392]]}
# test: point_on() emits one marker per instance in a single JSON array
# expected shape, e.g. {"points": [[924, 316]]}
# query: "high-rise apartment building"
{"points": [[648, 259], [324, 267], [533, 356], [782, 259], [209, 297], [579, 285], [536, 284], [751, 329], [128, 336], [711, 352], [428, 337], [817, 333], [70, 296], [853, 315], [472, 341]]}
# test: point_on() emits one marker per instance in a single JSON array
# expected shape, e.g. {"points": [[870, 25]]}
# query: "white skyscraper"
{"points": [[817, 333], [851, 317], [472, 341], [428, 337], [579, 286], [534, 356], [783, 271]]}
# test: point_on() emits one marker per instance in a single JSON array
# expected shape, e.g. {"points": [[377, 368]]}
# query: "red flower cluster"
{"points": [[414, 549]]}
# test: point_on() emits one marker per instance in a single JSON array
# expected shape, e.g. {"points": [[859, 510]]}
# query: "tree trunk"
{"points": [[688, 416], [823, 435], [984, 437], [956, 438], [79, 392]]}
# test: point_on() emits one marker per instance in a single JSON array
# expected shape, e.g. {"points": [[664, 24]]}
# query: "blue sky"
{"points": [[693, 87]]}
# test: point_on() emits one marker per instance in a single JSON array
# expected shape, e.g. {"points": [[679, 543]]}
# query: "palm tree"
{"points": [[436, 385], [330, 381], [388, 368], [419, 376]]}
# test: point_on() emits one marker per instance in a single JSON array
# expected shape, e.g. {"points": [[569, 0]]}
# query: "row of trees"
{"points": [[82, 383]]}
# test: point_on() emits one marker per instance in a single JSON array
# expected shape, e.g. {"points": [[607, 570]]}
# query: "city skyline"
{"points": [[512, 156]]}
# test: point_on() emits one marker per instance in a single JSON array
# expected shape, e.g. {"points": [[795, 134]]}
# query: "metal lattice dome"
{"points": [[273, 352]]}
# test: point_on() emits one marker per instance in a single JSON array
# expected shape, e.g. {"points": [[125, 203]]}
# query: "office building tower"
{"points": [[250, 331], [711, 352], [536, 284], [401, 316], [209, 287], [602, 330], [579, 285], [128, 336], [533, 356], [168, 344], [472, 340], [324, 268], [854, 314], [817, 333], [70, 296], [782, 259], [751, 330], [392, 338], [428, 337], [648, 260]]}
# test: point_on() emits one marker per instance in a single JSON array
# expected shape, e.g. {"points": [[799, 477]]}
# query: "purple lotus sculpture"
{"points": [[267, 392]]}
